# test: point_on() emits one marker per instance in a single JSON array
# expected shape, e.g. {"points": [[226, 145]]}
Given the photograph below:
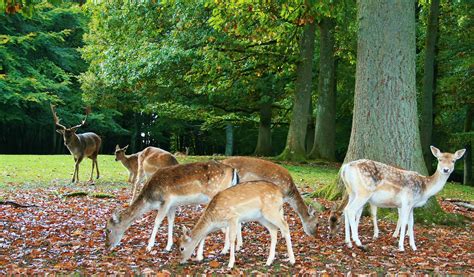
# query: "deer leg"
{"points": [[347, 224], [233, 225], [404, 215], [200, 251], [170, 216], [273, 230], [397, 229], [352, 211], [239, 237], [411, 233], [92, 172], [159, 218], [97, 167], [75, 177], [276, 218], [373, 212], [226, 240]]}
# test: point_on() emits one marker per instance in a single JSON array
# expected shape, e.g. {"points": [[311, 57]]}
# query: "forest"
{"points": [[309, 85]]}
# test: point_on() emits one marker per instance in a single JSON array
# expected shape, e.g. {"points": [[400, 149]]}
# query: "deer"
{"points": [[167, 189], [129, 161], [150, 160], [79, 145], [254, 169], [382, 185], [249, 201]]}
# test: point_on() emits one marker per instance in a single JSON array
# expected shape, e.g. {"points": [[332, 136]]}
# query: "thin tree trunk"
{"points": [[264, 141], [324, 146], [295, 143], [468, 180], [229, 139], [429, 83]]}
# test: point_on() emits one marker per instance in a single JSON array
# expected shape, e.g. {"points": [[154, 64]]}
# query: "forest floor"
{"points": [[65, 234]]}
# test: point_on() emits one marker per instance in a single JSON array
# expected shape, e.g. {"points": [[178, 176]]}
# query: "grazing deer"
{"points": [[253, 169], [168, 188], [250, 201], [129, 161], [149, 161], [80, 145], [386, 186]]}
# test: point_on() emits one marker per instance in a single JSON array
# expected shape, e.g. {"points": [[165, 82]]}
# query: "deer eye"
{"points": [[181, 249], [453, 161]]}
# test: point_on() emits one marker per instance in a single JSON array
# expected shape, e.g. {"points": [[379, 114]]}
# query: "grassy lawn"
{"points": [[54, 171]]}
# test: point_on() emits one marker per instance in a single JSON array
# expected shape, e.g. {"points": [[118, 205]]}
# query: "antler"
{"points": [[56, 119], [84, 121]]}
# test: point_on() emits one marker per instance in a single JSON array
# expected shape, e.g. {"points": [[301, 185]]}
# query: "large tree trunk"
{"points": [[468, 180], [229, 139], [295, 143], [264, 141], [325, 129], [429, 83]]}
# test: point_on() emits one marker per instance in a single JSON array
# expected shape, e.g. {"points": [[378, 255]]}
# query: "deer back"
{"points": [[88, 144], [189, 179]]}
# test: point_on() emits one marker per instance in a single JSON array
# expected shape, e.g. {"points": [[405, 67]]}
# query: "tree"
{"points": [[325, 130], [429, 83], [295, 149]]}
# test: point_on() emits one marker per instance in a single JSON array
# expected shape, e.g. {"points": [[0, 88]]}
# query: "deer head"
{"points": [[68, 133], [120, 152], [446, 160]]}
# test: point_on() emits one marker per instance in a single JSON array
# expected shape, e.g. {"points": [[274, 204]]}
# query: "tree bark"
{"points": [[429, 83], [310, 128], [295, 143], [229, 139], [324, 146], [264, 141], [468, 180]]}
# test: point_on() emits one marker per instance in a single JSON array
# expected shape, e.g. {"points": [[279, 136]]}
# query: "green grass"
{"points": [[55, 171]]}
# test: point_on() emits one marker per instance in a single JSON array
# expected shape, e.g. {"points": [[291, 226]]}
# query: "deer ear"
{"points": [[311, 211], [459, 154], [125, 148], [186, 232], [117, 147], [435, 151]]}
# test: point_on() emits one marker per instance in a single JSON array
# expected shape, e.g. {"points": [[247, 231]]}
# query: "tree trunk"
{"points": [[310, 128], [324, 146], [264, 141], [229, 139], [295, 143], [429, 83], [468, 180]]}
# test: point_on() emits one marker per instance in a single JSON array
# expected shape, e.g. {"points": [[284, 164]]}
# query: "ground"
{"points": [[66, 234]]}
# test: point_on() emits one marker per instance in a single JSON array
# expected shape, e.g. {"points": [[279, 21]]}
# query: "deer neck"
{"points": [[435, 183], [133, 212], [200, 231]]}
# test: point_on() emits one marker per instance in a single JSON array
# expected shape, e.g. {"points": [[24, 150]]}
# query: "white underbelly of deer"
{"points": [[189, 199]]}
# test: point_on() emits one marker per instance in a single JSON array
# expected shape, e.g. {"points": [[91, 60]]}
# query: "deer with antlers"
{"points": [[80, 145], [386, 186]]}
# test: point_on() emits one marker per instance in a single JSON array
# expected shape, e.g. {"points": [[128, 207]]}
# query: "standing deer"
{"points": [[386, 186], [150, 160], [251, 201], [167, 189], [129, 161], [80, 145], [254, 169]]}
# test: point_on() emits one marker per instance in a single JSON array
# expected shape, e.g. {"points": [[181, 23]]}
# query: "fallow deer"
{"points": [[168, 188], [250, 201], [386, 186], [150, 160], [79, 145], [129, 161], [254, 169]]}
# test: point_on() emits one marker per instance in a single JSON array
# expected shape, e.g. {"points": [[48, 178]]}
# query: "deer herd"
{"points": [[241, 189]]}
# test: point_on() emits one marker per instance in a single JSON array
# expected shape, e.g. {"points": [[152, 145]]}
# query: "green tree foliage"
{"points": [[39, 63]]}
